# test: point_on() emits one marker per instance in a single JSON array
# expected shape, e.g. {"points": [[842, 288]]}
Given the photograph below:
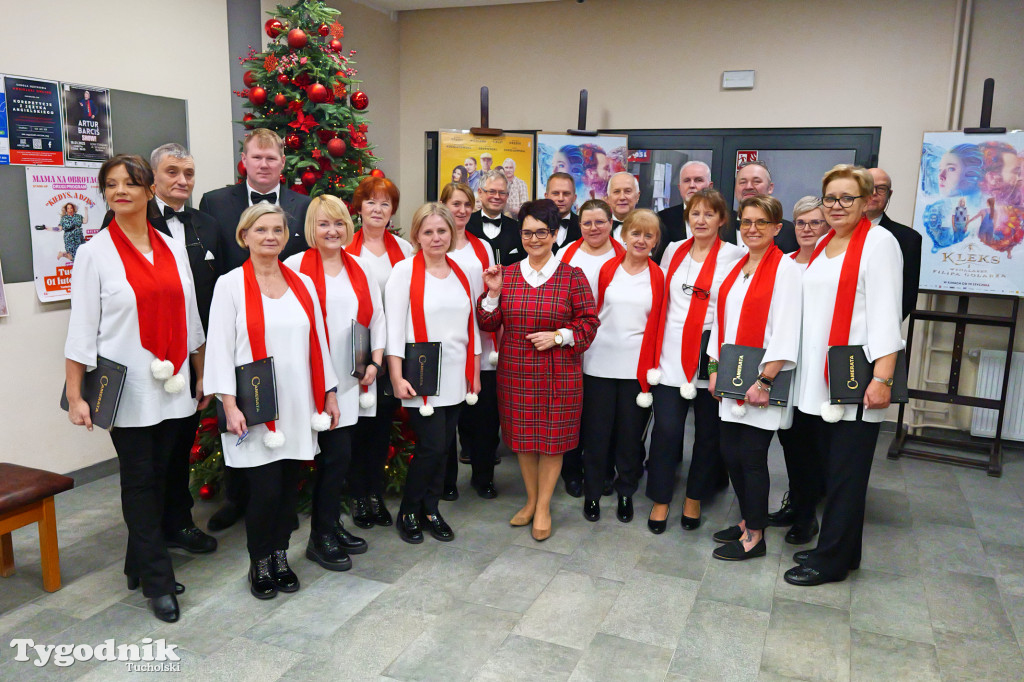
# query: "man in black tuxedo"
{"points": [[561, 189], [908, 238], [754, 178], [263, 156], [491, 225], [693, 177]]}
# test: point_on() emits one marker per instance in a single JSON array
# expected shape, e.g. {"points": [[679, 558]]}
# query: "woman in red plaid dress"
{"points": [[548, 313]]}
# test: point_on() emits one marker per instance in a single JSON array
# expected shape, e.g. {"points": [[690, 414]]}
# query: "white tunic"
{"points": [[446, 309], [781, 340], [615, 351], [378, 268], [342, 308], [287, 339], [877, 315], [671, 363], [105, 321], [590, 265], [471, 266]]}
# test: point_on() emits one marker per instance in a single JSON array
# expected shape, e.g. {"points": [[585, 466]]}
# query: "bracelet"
{"points": [[375, 365], [761, 386], [712, 366], [764, 381]]}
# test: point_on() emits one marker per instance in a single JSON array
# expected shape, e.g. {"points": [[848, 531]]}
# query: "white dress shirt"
{"points": [[174, 225], [491, 231], [589, 264], [249, 189]]}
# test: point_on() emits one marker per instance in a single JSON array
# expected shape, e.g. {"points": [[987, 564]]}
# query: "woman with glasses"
{"points": [[852, 295], [547, 311], [694, 270], [758, 307]]}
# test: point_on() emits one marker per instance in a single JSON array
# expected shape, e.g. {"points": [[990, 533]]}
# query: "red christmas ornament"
{"points": [[377, 173], [324, 30], [246, 119], [309, 179], [206, 492], [292, 141], [297, 39], [336, 147], [283, 179], [359, 100], [249, 79], [283, 78], [317, 93], [391, 452], [258, 96], [335, 45], [280, 101], [273, 27], [241, 169]]}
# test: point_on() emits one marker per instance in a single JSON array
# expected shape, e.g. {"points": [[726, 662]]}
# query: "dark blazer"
{"points": [[785, 239], [572, 233], [673, 229], [507, 243], [910, 245], [227, 204]]}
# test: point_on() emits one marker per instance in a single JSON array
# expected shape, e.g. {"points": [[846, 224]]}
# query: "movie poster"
{"points": [[970, 211], [464, 157], [5, 142], [65, 210], [87, 135], [591, 161], [33, 121]]}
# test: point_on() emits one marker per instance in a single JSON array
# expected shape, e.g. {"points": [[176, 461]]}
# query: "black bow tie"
{"points": [[565, 222], [493, 221], [616, 223], [171, 213], [257, 197]]}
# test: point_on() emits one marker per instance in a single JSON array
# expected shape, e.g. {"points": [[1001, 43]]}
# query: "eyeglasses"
{"points": [[816, 224], [761, 223], [696, 292], [541, 234], [882, 190], [846, 201], [495, 192]]}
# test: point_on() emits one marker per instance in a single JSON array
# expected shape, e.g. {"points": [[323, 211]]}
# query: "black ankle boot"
{"points": [[350, 544], [284, 576], [323, 548], [261, 582]]}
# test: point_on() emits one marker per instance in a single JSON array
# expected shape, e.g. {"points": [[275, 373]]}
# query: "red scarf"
{"points": [[159, 297], [391, 245], [485, 262], [256, 328], [648, 358], [419, 320], [690, 355], [571, 250], [846, 294]]}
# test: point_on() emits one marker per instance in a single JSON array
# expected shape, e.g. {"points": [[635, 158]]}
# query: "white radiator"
{"points": [[990, 383]]}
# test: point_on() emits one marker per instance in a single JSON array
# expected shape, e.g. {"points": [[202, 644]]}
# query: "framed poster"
{"points": [[591, 161], [970, 212], [87, 135], [5, 143], [33, 121], [465, 157]]}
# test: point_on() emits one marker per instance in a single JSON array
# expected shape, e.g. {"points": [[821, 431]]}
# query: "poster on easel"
{"points": [[65, 210], [970, 213], [465, 157], [33, 121], [591, 161], [87, 135]]}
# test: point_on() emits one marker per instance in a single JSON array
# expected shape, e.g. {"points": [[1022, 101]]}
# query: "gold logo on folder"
{"points": [[99, 399], [852, 384], [738, 380], [256, 391], [423, 367]]}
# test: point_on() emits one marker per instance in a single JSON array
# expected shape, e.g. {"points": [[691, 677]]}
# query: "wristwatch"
{"points": [[887, 382], [374, 364], [558, 338]]}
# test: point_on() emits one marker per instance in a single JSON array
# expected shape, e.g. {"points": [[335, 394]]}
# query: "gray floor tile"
{"points": [[889, 604], [964, 658], [720, 642], [807, 641], [877, 657], [678, 553], [513, 580], [611, 551], [614, 658], [890, 549], [438, 582], [521, 658], [35, 622], [997, 523], [887, 507], [570, 609], [940, 507], [966, 604], [652, 609], [743, 583], [947, 548], [256, 661], [980, 489]]}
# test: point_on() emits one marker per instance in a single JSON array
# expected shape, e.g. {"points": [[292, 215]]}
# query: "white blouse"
{"points": [[879, 292], [287, 339], [342, 308], [590, 265], [781, 340], [471, 266], [671, 363], [378, 268], [105, 322], [615, 351], [446, 309]]}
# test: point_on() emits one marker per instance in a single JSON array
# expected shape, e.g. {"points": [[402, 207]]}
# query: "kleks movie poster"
{"points": [[87, 136], [591, 161], [464, 157]]}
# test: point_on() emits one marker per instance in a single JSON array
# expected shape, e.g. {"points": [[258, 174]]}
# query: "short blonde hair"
{"points": [[424, 212], [332, 207], [765, 203], [641, 218], [264, 137], [846, 171], [254, 213]]}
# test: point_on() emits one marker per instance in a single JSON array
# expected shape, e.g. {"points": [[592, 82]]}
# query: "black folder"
{"points": [[738, 370], [849, 373], [422, 367], [702, 368], [255, 394], [360, 350], [101, 389]]}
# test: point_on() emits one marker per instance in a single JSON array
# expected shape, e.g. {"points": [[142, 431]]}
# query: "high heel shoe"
{"points": [[658, 527], [540, 534], [690, 522], [521, 519]]}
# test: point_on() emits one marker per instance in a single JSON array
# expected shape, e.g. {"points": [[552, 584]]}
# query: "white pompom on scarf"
{"points": [[832, 413], [472, 399], [654, 376], [426, 410], [367, 400], [176, 384], [493, 358], [739, 411], [273, 439], [321, 421], [161, 369], [688, 391], [644, 400]]}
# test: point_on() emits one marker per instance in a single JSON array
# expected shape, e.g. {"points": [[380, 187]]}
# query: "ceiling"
{"points": [[406, 5]]}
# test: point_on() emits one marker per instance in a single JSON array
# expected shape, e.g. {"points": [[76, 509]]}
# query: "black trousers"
{"points": [[236, 487], [178, 498], [424, 481], [572, 463], [370, 441], [706, 465], [478, 436], [274, 494], [613, 428], [332, 466], [144, 455], [745, 450], [848, 457], [803, 449]]}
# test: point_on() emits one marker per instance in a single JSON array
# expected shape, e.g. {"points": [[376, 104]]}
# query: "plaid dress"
{"points": [[540, 393]]}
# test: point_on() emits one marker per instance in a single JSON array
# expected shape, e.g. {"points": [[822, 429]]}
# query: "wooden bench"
{"points": [[26, 496]]}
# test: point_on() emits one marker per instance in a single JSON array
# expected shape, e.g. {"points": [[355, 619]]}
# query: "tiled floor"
{"points": [[940, 595]]}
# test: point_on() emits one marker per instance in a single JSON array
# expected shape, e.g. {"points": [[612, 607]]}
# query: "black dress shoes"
{"points": [[574, 488], [450, 495], [261, 582], [785, 516], [439, 528], [166, 608], [487, 492], [608, 488], [409, 528], [362, 516], [133, 584], [381, 515], [284, 576], [323, 548], [191, 540], [690, 523], [592, 510], [657, 527], [733, 551], [624, 511], [730, 534], [801, 556], [349, 543], [805, 576], [225, 517], [801, 535]]}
